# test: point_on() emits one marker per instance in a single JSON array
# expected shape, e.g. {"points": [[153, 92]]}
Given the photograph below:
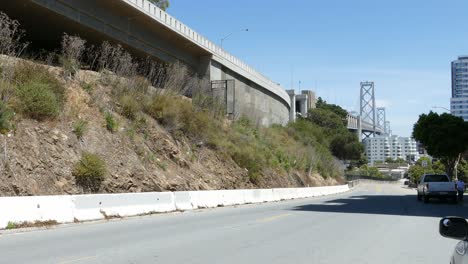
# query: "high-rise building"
{"points": [[381, 148], [459, 100]]}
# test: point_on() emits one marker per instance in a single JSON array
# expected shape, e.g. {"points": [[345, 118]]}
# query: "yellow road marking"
{"points": [[378, 188], [269, 219], [77, 260]]}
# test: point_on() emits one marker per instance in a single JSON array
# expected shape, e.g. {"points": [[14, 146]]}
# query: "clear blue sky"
{"points": [[404, 46]]}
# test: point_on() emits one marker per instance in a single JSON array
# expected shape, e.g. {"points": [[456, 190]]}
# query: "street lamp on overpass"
{"points": [[441, 107], [232, 33]]}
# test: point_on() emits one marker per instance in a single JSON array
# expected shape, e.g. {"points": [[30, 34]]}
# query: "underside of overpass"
{"points": [[45, 22]]}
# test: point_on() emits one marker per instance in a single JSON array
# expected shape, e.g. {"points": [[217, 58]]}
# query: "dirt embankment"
{"points": [[38, 157]]}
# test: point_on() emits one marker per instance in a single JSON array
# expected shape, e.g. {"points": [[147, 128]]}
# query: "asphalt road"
{"points": [[375, 223]]}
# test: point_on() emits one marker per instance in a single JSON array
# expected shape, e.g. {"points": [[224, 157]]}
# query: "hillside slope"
{"points": [[141, 155]]}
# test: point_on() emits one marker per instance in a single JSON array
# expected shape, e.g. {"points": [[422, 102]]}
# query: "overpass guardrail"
{"points": [[185, 31]]}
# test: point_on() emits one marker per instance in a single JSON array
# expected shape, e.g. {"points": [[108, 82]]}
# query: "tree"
{"points": [[395, 161], [163, 4], [438, 167], [325, 118], [415, 172], [463, 170], [322, 104], [444, 136], [358, 163], [345, 146], [366, 170], [332, 121]]}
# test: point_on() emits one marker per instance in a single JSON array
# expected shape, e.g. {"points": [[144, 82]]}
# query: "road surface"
{"points": [[375, 223]]}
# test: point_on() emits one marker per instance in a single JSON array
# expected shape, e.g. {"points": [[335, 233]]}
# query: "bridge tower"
{"points": [[367, 109], [381, 119], [388, 131]]}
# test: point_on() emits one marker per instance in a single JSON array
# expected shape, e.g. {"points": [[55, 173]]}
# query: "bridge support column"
{"points": [[359, 128], [292, 110], [303, 104], [204, 73]]}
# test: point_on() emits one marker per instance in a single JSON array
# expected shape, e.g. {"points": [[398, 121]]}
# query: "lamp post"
{"points": [[441, 107], [232, 33]]}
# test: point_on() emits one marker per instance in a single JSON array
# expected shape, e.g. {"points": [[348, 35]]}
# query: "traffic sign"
{"points": [[424, 163]]}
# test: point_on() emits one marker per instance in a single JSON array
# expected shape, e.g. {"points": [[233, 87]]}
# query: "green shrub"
{"points": [[70, 66], [37, 101], [90, 172], [87, 87], [11, 225], [135, 86], [301, 146], [73, 48], [6, 116], [129, 107], [158, 108], [79, 128], [26, 72], [138, 125], [162, 165], [39, 95], [247, 157], [178, 115], [111, 123]]}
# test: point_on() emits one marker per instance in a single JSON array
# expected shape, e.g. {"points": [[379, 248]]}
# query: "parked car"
{"points": [[436, 186], [456, 228]]}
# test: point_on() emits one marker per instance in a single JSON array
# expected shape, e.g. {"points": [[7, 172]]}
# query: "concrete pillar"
{"points": [[304, 106], [359, 128], [311, 101], [301, 100], [292, 110], [204, 69]]}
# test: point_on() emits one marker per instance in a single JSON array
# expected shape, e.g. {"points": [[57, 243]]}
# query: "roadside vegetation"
{"points": [[367, 171], [332, 122], [445, 137], [90, 172], [296, 147], [435, 166]]}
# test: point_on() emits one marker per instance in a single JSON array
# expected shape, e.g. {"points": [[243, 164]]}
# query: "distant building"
{"points": [[459, 100], [381, 148], [421, 149]]}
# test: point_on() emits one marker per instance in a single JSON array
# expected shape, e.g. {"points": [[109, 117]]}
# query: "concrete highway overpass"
{"points": [[145, 30]]}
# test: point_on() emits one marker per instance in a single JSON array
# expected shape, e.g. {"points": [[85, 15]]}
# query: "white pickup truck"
{"points": [[436, 186]]}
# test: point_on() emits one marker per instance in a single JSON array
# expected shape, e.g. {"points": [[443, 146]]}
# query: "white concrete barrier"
{"points": [[233, 197], [206, 199], [183, 201], [35, 208], [64, 209], [95, 207]]}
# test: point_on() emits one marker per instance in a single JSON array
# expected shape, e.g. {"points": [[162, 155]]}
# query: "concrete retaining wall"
{"points": [[261, 105], [66, 209]]}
